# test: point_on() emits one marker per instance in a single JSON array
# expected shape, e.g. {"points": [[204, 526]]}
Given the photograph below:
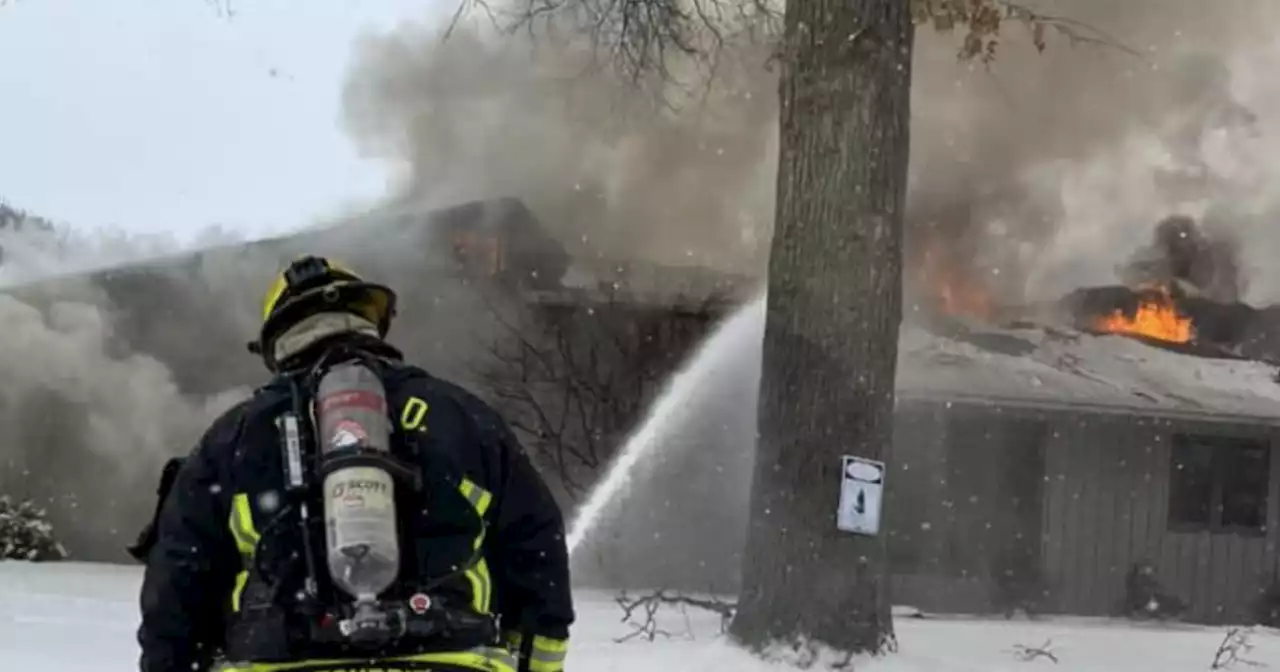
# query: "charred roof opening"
{"points": [[1181, 292]]}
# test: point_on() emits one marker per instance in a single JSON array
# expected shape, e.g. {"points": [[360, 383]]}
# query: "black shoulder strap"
{"points": [[141, 548], [399, 369]]}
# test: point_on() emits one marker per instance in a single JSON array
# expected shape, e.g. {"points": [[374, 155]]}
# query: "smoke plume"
{"points": [[1040, 173], [1071, 158], [89, 413], [610, 168], [1182, 255]]}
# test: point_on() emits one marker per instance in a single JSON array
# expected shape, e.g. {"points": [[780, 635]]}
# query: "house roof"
{"points": [[1048, 368]]}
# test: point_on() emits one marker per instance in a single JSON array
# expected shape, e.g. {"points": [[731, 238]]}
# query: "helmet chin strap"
{"points": [[316, 328]]}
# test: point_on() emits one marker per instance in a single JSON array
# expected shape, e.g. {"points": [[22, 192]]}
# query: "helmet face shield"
{"points": [[374, 306]]}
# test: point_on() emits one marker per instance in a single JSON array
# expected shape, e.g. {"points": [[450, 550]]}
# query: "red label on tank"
{"points": [[348, 433], [353, 398]]}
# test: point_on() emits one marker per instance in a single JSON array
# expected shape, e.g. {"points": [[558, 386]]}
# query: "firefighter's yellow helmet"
{"points": [[314, 284]]}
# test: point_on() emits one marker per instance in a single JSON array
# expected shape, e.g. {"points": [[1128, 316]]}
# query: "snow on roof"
{"points": [[1035, 367]]}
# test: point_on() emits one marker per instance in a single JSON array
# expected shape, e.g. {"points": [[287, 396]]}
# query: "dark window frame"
{"points": [[1222, 447]]}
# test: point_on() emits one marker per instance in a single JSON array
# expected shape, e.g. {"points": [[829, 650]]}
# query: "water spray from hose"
{"points": [[675, 402]]}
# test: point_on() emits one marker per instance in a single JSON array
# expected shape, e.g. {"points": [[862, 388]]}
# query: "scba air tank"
{"points": [[359, 501]]}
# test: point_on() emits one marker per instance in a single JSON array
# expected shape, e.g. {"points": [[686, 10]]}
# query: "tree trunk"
{"points": [[831, 335]]}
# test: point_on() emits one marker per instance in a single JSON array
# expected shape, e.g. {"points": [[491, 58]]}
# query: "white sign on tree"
{"points": [[861, 492]]}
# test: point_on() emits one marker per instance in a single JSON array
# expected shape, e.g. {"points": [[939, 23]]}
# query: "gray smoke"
{"points": [[1046, 170], [615, 173], [1181, 254], [90, 414]]}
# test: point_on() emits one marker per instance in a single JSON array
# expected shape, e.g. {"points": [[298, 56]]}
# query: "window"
{"points": [[1219, 484]]}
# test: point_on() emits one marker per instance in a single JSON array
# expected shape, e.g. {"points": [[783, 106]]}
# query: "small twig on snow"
{"points": [[1029, 653], [1235, 643], [651, 603]]}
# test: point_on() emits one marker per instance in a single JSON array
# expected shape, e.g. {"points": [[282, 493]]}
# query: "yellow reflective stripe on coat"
{"points": [[483, 659], [478, 574], [478, 496], [547, 654], [246, 536]]}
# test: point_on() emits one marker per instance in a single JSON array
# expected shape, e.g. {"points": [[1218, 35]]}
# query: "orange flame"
{"points": [[1157, 317], [957, 290]]}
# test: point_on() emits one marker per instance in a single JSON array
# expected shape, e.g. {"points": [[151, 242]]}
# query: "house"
{"points": [[1031, 468], [1065, 459]]}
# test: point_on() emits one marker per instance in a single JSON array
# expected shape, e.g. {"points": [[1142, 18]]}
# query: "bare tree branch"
{"points": [[650, 604], [1076, 32], [1234, 645], [573, 379], [653, 43], [465, 8]]}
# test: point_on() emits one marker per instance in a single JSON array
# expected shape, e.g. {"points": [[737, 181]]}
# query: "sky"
{"points": [[171, 117]]}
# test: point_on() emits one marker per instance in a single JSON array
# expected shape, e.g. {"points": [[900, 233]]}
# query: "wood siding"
{"points": [[964, 508], [1103, 506], [918, 517], [1106, 507]]}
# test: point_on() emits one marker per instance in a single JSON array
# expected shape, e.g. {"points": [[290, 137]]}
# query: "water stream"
{"points": [[720, 351]]}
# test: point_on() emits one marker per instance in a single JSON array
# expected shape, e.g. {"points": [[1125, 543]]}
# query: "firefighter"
{"points": [[234, 579]]}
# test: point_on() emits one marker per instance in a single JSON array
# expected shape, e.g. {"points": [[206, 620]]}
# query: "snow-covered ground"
{"points": [[73, 617]]}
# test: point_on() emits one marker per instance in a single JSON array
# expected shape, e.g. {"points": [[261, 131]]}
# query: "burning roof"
{"points": [[1173, 338], [1048, 367], [1155, 315]]}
